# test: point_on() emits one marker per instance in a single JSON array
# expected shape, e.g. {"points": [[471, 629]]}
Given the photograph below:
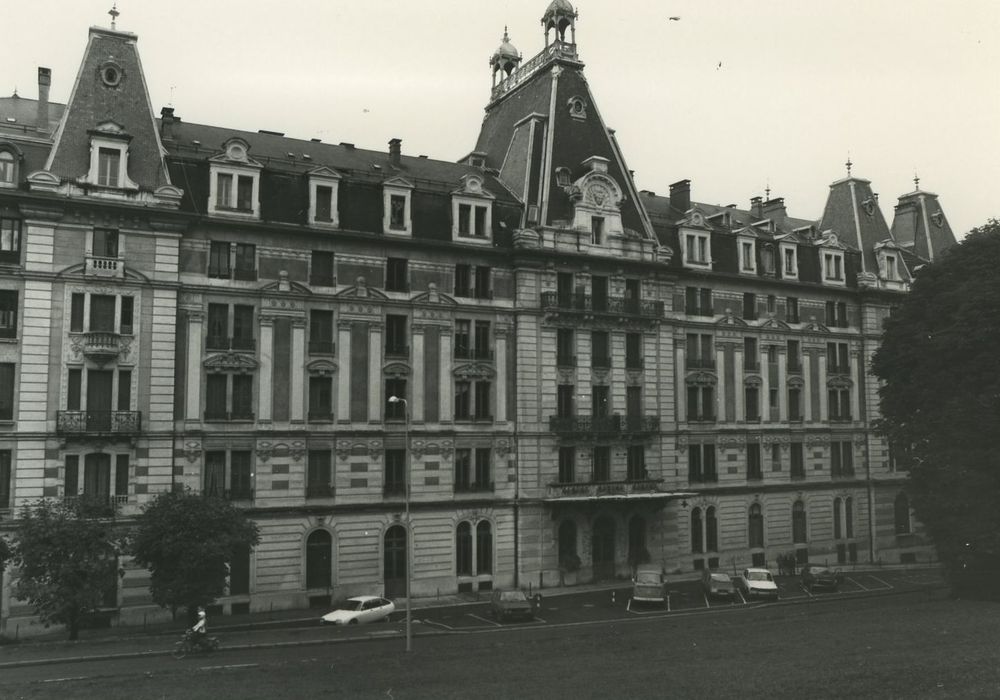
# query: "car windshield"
{"points": [[759, 576], [513, 595], [720, 578], [349, 605], [647, 577], [819, 570]]}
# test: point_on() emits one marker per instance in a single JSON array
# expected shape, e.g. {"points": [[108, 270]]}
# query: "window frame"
{"points": [[397, 187]]}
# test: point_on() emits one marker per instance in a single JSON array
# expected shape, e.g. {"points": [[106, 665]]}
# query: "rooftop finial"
{"points": [[767, 191], [114, 14], [916, 182], [505, 37], [848, 164]]}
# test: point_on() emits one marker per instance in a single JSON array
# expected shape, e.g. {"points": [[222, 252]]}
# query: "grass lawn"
{"points": [[872, 648]]}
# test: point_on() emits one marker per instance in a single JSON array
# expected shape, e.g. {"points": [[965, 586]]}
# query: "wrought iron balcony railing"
{"points": [[322, 347], [598, 489], [473, 353], [474, 487], [84, 422], [603, 426], [319, 491], [607, 305]]}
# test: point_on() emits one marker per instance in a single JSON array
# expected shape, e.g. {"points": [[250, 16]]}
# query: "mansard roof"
{"points": [[853, 213], [920, 226]]}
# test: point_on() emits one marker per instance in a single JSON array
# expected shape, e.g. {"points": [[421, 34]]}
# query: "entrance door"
{"points": [[99, 399], [319, 560], [603, 549], [637, 553], [395, 562]]}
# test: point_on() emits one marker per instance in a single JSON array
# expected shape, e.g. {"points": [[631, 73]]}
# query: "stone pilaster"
{"points": [[447, 378], [376, 408], [782, 385], [194, 359], [500, 410], [416, 382], [824, 399], [680, 364], [807, 409], [344, 372], [855, 386], [298, 372], [265, 371]]}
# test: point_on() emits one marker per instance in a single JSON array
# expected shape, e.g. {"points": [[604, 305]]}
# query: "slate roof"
{"points": [[24, 113], [920, 226]]}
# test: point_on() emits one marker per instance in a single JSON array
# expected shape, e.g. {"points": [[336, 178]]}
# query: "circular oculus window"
{"points": [[111, 74]]}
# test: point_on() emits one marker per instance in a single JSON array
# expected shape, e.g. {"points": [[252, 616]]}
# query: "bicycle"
{"points": [[191, 644]]}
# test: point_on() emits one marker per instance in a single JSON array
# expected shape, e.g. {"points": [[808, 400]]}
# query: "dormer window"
{"points": [[833, 266], [562, 177], [235, 181], [767, 258], [748, 260], [324, 185], [697, 249], [109, 157], [108, 165], [8, 169], [472, 211], [891, 271], [597, 230], [396, 217], [789, 261]]}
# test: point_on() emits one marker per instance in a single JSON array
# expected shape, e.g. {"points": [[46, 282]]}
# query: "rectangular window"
{"points": [[5, 479], [775, 457], [482, 288], [709, 472], [218, 260], [831, 314], [463, 400], [600, 352], [218, 327], [564, 401], [890, 268], [102, 313], [74, 382], [240, 475], [320, 398], [216, 391], [395, 336], [749, 306], [600, 405], [483, 404], [126, 315], [794, 404], [797, 460], [789, 254], [244, 193], [319, 477], [698, 301], [124, 390], [753, 462], [105, 243], [8, 313], [565, 289], [321, 269], [224, 191], [7, 391], [636, 463], [463, 469], [599, 292], [751, 360], [695, 467], [567, 465], [10, 240], [841, 459], [71, 478], [772, 304], [602, 463], [484, 472], [565, 347], [215, 473], [792, 309], [482, 342], [395, 410], [324, 203], [396, 275], [597, 230], [842, 314], [395, 472], [463, 280], [752, 403], [633, 351], [463, 339], [464, 219], [748, 258], [246, 262], [793, 349], [397, 212], [243, 327], [242, 397], [321, 332], [480, 221], [108, 164]]}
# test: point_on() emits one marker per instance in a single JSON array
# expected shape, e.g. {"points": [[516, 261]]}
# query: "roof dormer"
{"points": [[396, 207], [472, 211], [234, 181], [696, 241], [109, 150], [832, 259], [324, 188]]}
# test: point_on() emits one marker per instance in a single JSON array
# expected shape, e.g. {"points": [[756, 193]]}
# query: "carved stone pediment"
{"points": [[363, 291], [701, 379], [231, 362], [774, 323], [730, 320], [322, 366], [474, 370], [396, 369], [839, 383], [815, 326]]}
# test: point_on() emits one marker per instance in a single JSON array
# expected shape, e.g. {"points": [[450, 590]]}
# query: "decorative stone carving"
{"points": [[231, 362], [502, 448], [682, 443], [263, 451], [700, 379], [192, 450], [418, 448], [474, 370], [447, 449], [816, 440], [297, 450], [732, 441]]}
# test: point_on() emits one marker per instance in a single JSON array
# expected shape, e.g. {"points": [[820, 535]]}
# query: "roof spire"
{"points": [[916, 182], [848, 164], [767, 190], [114, 14]]}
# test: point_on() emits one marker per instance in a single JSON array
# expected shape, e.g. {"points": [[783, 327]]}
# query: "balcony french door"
{"points": [[99, 397]]}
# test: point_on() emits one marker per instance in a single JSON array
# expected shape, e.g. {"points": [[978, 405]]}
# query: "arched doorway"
{"points": [[603, 548], [395, 562], [319, 560]]}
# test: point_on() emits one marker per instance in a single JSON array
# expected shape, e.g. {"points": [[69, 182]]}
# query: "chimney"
{"points": [[757, 208], [44, 81], [680, 195], [167, 121], [775, 208], [394, 151]]}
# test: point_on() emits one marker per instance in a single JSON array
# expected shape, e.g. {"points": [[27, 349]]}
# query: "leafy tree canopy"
{"points": [[5, 553], [186, 542], [940, 365], [66, 561]]}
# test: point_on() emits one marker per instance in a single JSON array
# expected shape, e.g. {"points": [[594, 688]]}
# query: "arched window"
{"points": [[711, 531], [902, 508], [837, 528], [799, 523], [8, 172], [696, 531], [484, 548], [567, 543], [319, 559], [756, 526], [849, 516], [463, 549]]}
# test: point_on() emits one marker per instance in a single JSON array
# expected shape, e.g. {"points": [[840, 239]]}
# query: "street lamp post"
{"points": [[406, 498]]}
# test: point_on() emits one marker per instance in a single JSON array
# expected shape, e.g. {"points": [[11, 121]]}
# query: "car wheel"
{"points": [[353, 622]]}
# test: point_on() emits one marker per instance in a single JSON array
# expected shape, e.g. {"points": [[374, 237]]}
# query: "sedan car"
{"points": [[359, 609], [505, 605], [820, 576], [718, 584], [649, 586], [757, 583]]}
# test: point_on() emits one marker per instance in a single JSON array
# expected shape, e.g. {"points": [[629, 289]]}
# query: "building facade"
{"points": [[572, 375]]}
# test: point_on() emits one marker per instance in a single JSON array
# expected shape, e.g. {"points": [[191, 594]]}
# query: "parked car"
{"points": [[359, 609], [649, 585], [715, 583], [820, 576], [508, 604], [757, 583]]}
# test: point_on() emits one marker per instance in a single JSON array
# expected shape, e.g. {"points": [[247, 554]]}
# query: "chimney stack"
{"points": [[757, 208], [395, 147], [775, 208], [680, 195], [167, 121], [44, 81]]}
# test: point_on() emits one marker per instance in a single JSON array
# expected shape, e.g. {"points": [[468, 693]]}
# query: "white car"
{"points": [[757, 583], [359, 609]]}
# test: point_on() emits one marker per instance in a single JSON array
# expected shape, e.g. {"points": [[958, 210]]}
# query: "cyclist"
{"points": [[200, 629]]}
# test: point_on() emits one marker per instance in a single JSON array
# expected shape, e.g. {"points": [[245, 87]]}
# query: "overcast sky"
{"points": [[734, 96]]}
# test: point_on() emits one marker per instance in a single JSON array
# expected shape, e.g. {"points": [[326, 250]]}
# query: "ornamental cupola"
{"points": [[505, 59], [560, 16]]}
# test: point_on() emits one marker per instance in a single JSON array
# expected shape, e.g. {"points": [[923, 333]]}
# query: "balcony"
{"points": [[603, 427], [225, 416], [319, 491], [565, 360], [97, 266], [222, 342], [607, 490], [101, 346], [239, 494], [98, 422], [634, 363], [600, 362], [397, 351], [323, 415], [794, 367], [638, 425], [466, 353], [244, 275], [703, 477], [322, 347], [699, 363], [585, 304], [394, 490], [475, 487], [701, 418]]}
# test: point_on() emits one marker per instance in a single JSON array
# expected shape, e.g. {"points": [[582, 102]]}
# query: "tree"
{"points": [[187, 541], [940, 401], [66, 559]]}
